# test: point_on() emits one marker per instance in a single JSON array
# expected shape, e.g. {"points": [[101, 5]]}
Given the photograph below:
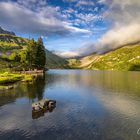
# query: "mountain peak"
{"points": [[2, 31]]}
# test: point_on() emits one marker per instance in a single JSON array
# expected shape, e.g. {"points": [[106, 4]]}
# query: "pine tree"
{"points": [[35, 55], [40, 54]]}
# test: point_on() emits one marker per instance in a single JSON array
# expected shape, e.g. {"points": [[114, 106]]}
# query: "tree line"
{"points": [[31, 57]]}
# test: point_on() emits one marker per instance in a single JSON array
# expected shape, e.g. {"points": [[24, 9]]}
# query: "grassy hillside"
{"points": [[11, 45], [125, 58]]}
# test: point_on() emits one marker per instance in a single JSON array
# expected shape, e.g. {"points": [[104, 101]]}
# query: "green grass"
{"points": [[9, 78], [74, 63], [126, 58], [9, 42], [3, 87], [12, 44], [28, 78]]}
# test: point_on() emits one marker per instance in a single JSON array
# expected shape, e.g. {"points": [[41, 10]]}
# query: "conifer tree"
{"points": [[40, 54]]}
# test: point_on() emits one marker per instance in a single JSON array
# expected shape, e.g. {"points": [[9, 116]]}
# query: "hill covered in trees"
{"points": [[126, 58], [23, 54], [17, 53]]}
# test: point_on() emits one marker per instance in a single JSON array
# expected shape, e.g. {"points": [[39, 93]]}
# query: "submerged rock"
{"points": [[41, 107]]}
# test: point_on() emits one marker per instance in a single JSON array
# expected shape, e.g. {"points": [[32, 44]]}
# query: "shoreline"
{"points": [[2, 88], [33, 72], [7, 79]]}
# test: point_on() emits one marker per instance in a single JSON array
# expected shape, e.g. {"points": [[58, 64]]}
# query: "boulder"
{"points": [[43, 104]]}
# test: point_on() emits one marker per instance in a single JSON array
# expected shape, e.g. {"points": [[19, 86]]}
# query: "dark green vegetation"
{"points": [[126, 58], [21, 54], [34, 56], [18, 53]]}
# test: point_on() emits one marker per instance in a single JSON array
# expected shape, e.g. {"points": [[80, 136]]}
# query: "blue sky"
{"points": [[68, 27]]}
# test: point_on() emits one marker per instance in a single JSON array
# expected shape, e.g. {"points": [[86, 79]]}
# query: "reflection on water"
{"points": [[99, 105], [31, 91]]}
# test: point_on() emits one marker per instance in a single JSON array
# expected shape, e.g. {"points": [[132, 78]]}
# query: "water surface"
{"points": [[91, 105]]}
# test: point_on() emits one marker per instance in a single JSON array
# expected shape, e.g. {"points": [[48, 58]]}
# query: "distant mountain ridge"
{"points": [[126, 58], [2, 31], [53, 61]]}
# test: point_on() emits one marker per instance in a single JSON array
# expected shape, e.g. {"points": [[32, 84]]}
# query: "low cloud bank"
{"points": [[117, 37], [125, 29]]}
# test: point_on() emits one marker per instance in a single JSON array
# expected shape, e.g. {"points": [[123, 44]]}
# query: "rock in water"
{"points": [[41, 107], [43, 104]]}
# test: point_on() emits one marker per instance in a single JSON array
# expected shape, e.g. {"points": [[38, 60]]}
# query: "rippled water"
{"points": [[91, 105]]}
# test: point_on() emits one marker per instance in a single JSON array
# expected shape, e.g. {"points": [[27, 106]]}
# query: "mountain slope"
{"points": [[11, 45], [53, 61], [125, 58], [2, 31]]}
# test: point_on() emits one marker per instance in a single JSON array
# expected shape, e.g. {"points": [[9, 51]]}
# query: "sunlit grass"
{"points": [[8, 78], [124, 59]]}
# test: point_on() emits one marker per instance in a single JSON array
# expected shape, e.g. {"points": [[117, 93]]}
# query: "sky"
{"points": [[72, 28]]}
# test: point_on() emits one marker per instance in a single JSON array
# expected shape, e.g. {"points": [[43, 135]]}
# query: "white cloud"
{"points": [[19, 18], [118, 37], [88, 17], [70, 0], [125, 18], [85, 3], [32, 3], [67, 54], [126, 28], [69, 10], [75, 29], [101, 1]]}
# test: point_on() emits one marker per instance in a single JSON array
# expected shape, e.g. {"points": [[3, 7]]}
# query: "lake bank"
{"points": [[7, 79]]}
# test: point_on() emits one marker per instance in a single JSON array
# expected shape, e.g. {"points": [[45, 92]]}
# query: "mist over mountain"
{"points": [[124, 19], [124, 30], [126, 58]]}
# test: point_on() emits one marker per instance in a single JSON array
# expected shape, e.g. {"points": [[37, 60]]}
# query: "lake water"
{"points": [[90, 105]]}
